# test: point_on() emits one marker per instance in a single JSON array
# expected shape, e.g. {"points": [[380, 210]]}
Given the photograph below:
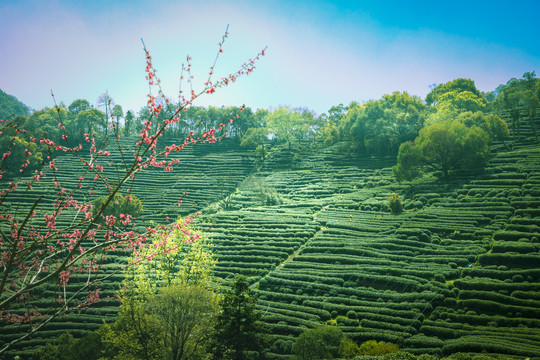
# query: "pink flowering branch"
{"points": [[35, 251]]}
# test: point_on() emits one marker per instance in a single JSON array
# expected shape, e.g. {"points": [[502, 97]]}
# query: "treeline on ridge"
{"points": [[455, 115]]}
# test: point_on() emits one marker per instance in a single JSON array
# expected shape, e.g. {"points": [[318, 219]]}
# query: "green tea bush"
{"points": [[395, 204]]}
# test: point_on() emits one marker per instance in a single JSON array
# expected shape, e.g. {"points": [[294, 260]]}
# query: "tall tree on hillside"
{"points": [[129, 122], [79, 105], [519, 94], [168, 307], [239, 333], [90, 121], [445, 146], [380, 126], [118, 113], [459, 85], [288, 126]]}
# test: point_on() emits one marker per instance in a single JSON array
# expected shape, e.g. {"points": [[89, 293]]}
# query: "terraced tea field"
{"points": [[457, 271], [206, 174]]}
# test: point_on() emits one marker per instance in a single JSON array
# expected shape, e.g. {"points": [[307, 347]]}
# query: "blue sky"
{"points": [[320, 53]]}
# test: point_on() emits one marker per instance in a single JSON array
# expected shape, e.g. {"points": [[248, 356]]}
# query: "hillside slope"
{"points": [[458, 271]]}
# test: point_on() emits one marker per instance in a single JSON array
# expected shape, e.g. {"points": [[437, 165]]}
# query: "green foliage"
{"points": [[172, 324], [446, 146], [381, 126], [286, 125], [88, 121], [181, 258], [517, 94], [21, 152], [457, 85], [187, 315], [239, 333], [44, 124], [395, 204], [377, 348], [68, 348], [78, 105], [119, 204], [325, 342], [167, 306], [10, 107]]}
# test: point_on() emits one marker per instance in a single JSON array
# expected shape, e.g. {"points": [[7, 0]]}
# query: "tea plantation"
{"points": [[457, 271]]}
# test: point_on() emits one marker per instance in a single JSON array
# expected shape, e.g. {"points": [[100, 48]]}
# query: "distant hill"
{"points": [[10, 106]]}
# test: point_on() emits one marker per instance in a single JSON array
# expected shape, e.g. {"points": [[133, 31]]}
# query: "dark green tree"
{"points": [[68, 348], [380, 126], [129, 123], [445, 146], [325, 342], [118, 113], [90, 121], [239, 333], [120, 205]]}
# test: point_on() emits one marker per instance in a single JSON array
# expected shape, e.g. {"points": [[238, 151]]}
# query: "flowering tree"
{"points": [[37, 249]]}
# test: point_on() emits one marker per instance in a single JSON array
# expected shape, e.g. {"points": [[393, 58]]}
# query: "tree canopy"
{"points": [[239, 333], [11, 107]]}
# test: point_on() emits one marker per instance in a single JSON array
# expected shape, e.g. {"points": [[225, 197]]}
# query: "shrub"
{"points": [[373, 347], [395, 204], [351, 314]]}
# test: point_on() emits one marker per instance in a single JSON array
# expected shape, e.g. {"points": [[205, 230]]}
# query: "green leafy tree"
{"points": [[327, 125], [491, 123], [354, 127], [409, 162], [256, 136], [118, 113], [517, 94], [79, 105], [129, 123], [44, 124], [453, 146], [458, 85], [69, 348], [168, 306], [380, 126], [18, 155], [121, 206], [134, 335], [325, 342], [90, 121], [445, 146], [289, 126], [452, 103], [395, 204], [239, 333], [186, 315]]}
